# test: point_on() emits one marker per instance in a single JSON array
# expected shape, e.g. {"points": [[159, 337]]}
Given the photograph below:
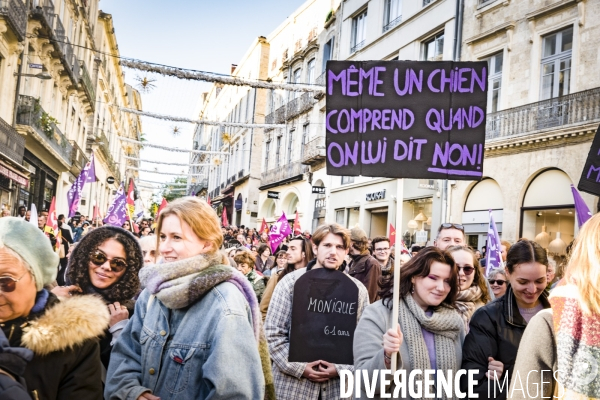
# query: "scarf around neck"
{"points": [[467, 302], [577, 343], [444, 323], [182, 283]]}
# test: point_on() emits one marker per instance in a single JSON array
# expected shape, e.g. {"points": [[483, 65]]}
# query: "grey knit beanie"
{"points": [[33, 246]]}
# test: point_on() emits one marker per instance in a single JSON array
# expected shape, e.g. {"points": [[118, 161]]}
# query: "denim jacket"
{"points": [[205, 351]]}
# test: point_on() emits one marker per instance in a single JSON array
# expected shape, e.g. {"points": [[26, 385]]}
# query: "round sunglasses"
{"points": [[8, 283], [466, 270], [498, 282], [116, 264]]}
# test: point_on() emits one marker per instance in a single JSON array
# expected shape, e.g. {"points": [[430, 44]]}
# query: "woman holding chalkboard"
{"points": [[184, 336], [430, 332]]}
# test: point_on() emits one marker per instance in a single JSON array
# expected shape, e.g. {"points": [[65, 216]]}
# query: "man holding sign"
{"points": [[311, 320]]}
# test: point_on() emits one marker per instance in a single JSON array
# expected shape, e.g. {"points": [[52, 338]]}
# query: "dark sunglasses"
{"points": [[448, 225], [8, 283], [116, 264], [466, 270], [498, 282]]}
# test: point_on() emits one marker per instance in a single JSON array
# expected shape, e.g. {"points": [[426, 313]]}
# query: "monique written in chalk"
{"points": [[331, 306]]}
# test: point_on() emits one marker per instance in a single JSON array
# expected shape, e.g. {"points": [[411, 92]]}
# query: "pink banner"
{"points": [[279, 231]]}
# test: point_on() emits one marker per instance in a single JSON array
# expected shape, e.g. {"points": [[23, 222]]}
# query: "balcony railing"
{"points": [[88, 87], [282, 173], [16, 14], [78, 158], [358, 46], [321, 79], [395, 22], [12, 145], [292, 109], [44, 10], [32, 114], [313, 151], [573, 109]]}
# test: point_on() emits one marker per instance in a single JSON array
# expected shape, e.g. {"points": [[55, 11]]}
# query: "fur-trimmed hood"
{"points": [[66, 324]]}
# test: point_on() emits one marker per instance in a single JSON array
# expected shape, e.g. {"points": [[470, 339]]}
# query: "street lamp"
{"points": [[42, 75]]}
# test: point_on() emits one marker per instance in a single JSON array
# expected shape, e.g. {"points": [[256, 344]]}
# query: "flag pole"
{"points": [[397, 253]]}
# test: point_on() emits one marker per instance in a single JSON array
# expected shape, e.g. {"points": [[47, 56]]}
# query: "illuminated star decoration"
{"points": [[145, 84], [175, 130]]}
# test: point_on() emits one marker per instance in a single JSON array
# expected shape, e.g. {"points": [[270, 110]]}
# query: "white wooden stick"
{"points": [[397, 254]]}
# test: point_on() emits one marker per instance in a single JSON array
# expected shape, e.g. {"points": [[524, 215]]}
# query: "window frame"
{"points": [[359, 22], [494, 76], [389, 20], [555, 60], [434, 39], [347, 180]]}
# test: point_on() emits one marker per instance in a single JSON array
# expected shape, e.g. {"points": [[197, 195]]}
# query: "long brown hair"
{"points": [[420, 266], [479, 279]]}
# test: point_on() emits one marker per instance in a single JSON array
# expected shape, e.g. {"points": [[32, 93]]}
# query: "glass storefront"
{"points": [[552, 228]]}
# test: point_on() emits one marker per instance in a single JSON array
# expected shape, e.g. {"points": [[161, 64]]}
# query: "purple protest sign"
{"points": [[88, 174], [279, 231], [117, 211], [581, 209], [493, 254]]}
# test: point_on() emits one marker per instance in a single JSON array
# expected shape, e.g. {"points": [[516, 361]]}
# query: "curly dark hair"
{"points": [[78, 268]]}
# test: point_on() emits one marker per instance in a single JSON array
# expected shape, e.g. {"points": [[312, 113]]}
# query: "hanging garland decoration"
{"points": [[162, 183], [166, 163], [124, 139], [193, 75], [197, 121], [155, 188], [163, 173]]}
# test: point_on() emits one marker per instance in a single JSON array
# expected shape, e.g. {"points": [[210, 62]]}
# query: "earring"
{"points": [[413, 289]]}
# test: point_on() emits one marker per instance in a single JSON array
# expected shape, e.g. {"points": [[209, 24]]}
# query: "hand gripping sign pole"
{"points": [[397, 253]]}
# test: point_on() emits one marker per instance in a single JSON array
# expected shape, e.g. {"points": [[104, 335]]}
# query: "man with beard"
{"points": [[382, 253], [318, 379], [299, 252], [364, 266]]}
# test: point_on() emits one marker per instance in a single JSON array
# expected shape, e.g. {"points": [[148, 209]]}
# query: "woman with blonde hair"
{"points": [[184, 336], [573, 323]]}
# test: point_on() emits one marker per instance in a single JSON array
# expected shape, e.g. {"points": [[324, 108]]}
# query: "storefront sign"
{"points": [[14, 176], [376, 196], [324, 316], [421, 236], [272, 195], [426, 183], [320, 204], [590, 177], [406, 119], [110, 180], [238, 204], [318, 189]]}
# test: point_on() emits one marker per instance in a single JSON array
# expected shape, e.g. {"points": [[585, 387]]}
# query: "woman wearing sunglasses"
{"points": [[496, 328], [63, 334], [106, 262], [281, 263], [196, 331], [498, 281], [473, 290]]}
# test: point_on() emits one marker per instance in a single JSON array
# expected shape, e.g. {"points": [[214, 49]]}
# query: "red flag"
{"points": [[297, 228], [208, 200], [392, 235], [224, 217], [51, 225], [162, 206], [264, 228], [96, 216]]}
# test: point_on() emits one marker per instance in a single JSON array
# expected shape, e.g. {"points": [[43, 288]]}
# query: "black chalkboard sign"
{"points": [[324, 317], [590, 177], [406, 119]]}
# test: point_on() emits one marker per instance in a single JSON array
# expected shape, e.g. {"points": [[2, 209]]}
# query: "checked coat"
{"points": [[289, 382]]}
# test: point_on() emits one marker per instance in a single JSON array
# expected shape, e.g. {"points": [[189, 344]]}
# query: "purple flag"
{"points": [[117, 212], [88, 174], [581, 209], [279, 231], [493, 254]]}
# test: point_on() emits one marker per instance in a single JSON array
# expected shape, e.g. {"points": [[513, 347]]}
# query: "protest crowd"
{"points": [[185, 308]]}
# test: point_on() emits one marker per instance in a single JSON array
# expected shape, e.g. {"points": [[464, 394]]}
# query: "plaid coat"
{"points": [[289, 383]]}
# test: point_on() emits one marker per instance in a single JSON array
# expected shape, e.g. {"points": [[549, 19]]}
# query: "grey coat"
{"points": [[368, 349]]}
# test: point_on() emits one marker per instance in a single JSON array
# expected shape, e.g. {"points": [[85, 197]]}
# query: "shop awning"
{"points": [[13, 174]]}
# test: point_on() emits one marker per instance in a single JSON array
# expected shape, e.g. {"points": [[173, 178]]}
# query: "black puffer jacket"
{"points": [[13, 361], [495, 331], [64, 339]]}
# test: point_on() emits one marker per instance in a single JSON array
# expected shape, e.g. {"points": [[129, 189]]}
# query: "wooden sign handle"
{"points": [[397, 254]]}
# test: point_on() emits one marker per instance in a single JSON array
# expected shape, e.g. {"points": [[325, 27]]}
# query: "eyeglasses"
{"points": [[145, 252], [116, 264], [448, 225], [466, 270], [383, 249], [498, 282], [8, 283], [281, 256]]}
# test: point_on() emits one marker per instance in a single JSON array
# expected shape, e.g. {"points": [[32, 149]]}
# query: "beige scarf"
{"points": [[467, 302], [444, 323]]}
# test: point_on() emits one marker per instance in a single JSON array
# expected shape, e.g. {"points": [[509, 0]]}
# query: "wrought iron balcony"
{"points": [[395, 22], [16, 14], [559, 112], [78, 158], [44, 10], [358, 46], [283, 173], [313, 152], [12, 145], [88, 87], [292, 109], [47, 132]]}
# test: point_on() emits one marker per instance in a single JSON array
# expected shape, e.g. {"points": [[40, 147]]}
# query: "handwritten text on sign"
{"points": [[324, 317], [406, 119]]}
